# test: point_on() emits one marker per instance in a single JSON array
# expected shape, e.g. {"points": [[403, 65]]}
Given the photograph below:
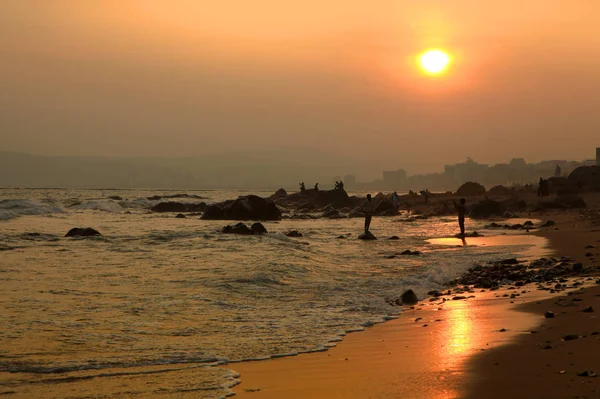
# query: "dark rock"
{"points": [[470, 189], [577, 267], [511, 261], [394, 238], [294, 233], [367, 236], [586, 177], [343, 237], [486, 209], [500, 190], [178, 207], [589, 309], [409, 298], [249, 207], [588, 254], [459, 297], [528, 223], [571, 337], [331, 213], [589, 247], [180, 216], [548, 223], [549, 314], [115, 198], [258, 228], [548, 346], [83, 232]]}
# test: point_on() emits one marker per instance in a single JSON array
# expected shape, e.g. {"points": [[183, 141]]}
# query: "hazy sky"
{"points": [[187, 77]]}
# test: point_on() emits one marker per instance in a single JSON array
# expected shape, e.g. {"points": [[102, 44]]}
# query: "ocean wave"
{"points": [[12, 208], [98, 205]]}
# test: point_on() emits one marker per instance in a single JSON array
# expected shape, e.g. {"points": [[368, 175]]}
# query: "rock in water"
{"points": [[82, 232], [180, 216], [549, 314], [258, 228], [294, 233], [409, 298], [367, 236], [249, 207]]}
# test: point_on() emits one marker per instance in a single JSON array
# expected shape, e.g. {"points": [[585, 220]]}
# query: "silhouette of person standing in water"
{"points": [[460, 209], [368, 210]]}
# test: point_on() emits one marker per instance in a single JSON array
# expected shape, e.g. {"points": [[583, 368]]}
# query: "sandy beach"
{"points": [[488, 346]]}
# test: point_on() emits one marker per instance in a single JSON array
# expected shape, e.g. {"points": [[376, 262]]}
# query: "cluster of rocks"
{"points": [[243, 229], [516, 273]]}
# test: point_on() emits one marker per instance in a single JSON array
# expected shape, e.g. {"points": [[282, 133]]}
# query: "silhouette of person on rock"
{"points": [[316, 186], [368, 209], [302, 187]]}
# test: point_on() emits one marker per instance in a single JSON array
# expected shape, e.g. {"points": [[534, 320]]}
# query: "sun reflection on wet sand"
{"points": [[422, 355]]}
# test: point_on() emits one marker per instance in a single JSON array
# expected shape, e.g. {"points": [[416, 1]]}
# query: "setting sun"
{"points": [[434, 62]]}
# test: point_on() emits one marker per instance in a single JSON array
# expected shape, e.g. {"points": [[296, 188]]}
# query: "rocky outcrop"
{"points": [[178, 207], [83, 232], [499, 190], [470, 189], [249, 207], [487, 208]]}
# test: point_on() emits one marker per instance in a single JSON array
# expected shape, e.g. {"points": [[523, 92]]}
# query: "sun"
{"points": [[434, 62]]}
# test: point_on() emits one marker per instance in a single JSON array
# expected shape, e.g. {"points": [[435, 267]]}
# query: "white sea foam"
{"points": [[13, 208]]}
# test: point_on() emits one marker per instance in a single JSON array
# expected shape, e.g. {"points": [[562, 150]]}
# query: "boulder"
{"points": [[258, 228], [409, 298], [249, 207], [486, 209], [83, 232], [180, 216], [367, 236], [499, 190], [178, 207], [548, 223], [394, 238], [331, 213], [411, 253], [470, 189], [115, 198]]}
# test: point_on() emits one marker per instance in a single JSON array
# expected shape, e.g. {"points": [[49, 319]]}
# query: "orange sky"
{"points": [[184, 77]]}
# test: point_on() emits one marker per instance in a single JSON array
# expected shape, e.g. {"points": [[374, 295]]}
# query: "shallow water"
{"points": [[155, 290]]}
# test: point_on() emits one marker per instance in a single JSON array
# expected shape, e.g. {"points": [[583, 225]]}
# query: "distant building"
{"points": [[349, 180], [395, 179], [597, 156]]}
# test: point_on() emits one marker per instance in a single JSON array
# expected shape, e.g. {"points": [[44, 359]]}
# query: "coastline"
{"points": [[436, 350]]}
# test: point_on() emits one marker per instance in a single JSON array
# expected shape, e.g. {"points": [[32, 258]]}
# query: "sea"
{"points": [[159, 294]]}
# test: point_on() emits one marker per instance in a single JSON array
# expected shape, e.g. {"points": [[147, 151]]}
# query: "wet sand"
{"points": [[488, 346]]}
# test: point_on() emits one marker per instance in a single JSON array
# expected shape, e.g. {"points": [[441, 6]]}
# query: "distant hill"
{"points": [[241, 169]]}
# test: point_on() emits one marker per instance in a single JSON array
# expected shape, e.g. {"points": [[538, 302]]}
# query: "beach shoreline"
{"points": [[499, 323]]}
